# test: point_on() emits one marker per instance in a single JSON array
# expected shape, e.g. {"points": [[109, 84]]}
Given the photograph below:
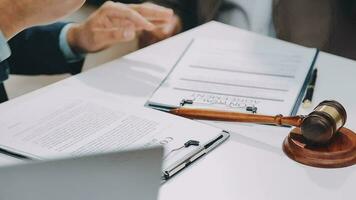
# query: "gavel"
{"points": [[317, 128]]}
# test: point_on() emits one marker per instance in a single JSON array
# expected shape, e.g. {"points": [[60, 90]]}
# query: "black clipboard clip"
{"points": [[253, 109]]}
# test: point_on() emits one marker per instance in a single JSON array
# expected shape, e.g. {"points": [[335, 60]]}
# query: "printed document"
{"points": [[85, 122], [267, 74]]}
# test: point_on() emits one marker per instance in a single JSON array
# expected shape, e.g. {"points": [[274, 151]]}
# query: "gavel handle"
{"points": [[206, 114]]}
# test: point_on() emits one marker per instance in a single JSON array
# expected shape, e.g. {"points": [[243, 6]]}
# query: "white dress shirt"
{"points": [[4, 48]]}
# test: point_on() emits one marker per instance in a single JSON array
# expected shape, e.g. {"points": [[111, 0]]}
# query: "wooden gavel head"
{"points": [[320, 126]]}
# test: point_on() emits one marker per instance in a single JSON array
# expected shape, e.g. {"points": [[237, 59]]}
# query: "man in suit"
{"points": [[61, 47], [329, 25]]}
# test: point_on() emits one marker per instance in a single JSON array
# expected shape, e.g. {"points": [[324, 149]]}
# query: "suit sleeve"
{"points": [[37, 51]]}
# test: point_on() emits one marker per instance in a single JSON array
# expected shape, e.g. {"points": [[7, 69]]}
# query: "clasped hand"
{"points": [[115, 22], [110, 24]]}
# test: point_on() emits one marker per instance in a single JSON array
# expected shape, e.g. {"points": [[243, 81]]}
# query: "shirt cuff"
{"points": [[5, 51], [67, 51]]}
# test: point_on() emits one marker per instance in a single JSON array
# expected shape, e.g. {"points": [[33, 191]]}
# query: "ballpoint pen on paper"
{"points": [[307, 101]]}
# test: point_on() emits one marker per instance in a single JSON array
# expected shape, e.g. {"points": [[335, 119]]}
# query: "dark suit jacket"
{"points": [[36, 51], [329, 25]]}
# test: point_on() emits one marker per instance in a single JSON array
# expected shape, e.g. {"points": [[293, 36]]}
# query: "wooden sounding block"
{"points": [[340, 152]]}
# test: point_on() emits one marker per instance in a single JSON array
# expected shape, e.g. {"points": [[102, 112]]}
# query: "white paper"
{"points": [[67, 121], [232, 76], [119, 175], [8, 160]]}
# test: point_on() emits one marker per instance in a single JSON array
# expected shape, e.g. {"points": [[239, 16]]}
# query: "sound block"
{"points": [[340, 152]]}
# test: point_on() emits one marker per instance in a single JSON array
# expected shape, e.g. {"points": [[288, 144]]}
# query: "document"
{"points": [[261, 72], [71, 122]]}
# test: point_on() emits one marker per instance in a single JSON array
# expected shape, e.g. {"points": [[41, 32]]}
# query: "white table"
{"points": [[249, 165]]}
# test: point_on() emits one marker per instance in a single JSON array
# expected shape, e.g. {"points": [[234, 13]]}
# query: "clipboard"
{"points": [[248, 107]]}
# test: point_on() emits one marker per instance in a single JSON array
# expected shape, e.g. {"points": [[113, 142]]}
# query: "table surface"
{"points": [[251, 165]]}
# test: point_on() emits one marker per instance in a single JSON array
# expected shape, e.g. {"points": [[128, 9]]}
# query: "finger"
{"points": [[167, 28], [153, 12], [163, 32], [119, 11], [126, 32], [123, 35], [159, 23]]}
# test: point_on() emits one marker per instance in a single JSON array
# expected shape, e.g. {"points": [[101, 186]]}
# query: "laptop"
{"points": [[130, 175]]}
